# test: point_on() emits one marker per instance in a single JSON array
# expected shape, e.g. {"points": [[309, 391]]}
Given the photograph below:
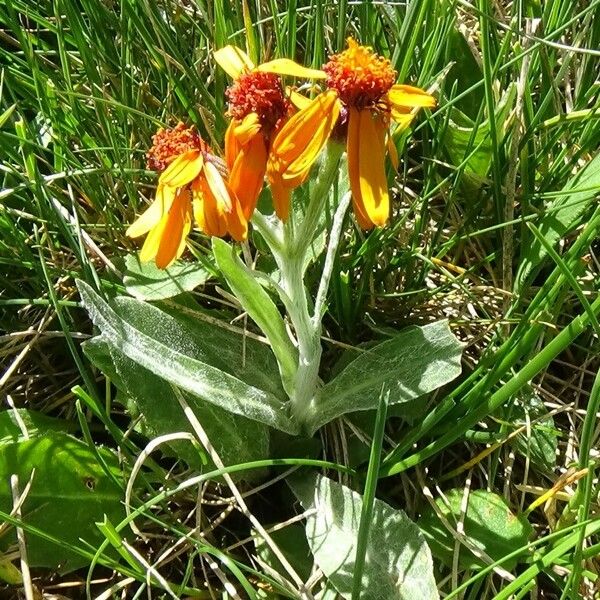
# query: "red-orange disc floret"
{"points": [[359, 76], [260, 93], [168, 144]]}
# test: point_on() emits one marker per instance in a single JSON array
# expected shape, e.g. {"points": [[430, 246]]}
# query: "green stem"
{"points": [[292, 262]]}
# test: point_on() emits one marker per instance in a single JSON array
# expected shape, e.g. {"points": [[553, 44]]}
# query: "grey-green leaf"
{"points": [[195, 376], [69, 493], [398, 563], [416, 361], [561, 215], [147, 282], [235, 438], [260, 308], [489, 524]]}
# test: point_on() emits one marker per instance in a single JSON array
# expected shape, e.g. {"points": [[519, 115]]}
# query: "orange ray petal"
{"points": [[212, 221], [281, 195], [233, 61], [299, 142], [237, 223], [183, 169], [371, 167], [176, 229], [285, 66], [247, 175], [352, 151], [154, 213]]}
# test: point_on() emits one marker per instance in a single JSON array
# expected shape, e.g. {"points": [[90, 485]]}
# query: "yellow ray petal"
{"points": [[299, 142], [233, 61], [247, 128], [247, 175], [285, 66], [299, 100], [154, 213], [352, 150], [152, 242], [217, 186], [406, 95], [183, 169], [403, 118], [176, 229], [198, 203]]}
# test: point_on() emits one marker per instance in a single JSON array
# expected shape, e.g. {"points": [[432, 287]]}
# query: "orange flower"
{"points": [[258, 106], [190, 183], [361, 93]]}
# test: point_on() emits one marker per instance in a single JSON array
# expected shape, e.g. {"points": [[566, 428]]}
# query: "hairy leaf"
{"points": [[398, 563], [166, 358], [416, 361]]}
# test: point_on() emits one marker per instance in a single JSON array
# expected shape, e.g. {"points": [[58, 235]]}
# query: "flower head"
{"points": [[361, 87], [168, 144], [190, 183], [258, 107], [360, 77], [258, 93]]}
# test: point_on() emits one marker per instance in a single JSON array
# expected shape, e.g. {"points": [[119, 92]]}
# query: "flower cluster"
{"points": [[276, 134]]}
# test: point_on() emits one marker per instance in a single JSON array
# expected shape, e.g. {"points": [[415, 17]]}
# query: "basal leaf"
{"points": [[35, 423], [147, 282], [195, 376], [416, 361], [69, 493], [235, 438], [488, 523], [398, 563], [260, 308]]}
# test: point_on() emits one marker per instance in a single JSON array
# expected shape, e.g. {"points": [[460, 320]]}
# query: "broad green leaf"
{"points": [[163, 358], [260, 308], [35, 423], [540, 443], [489, 524], [235, 438], [9, 573], [462, 140], [398, 563], [291, 540], [97, 349], [69, 493], [561, 215], [416, 361], [147, 282]]}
